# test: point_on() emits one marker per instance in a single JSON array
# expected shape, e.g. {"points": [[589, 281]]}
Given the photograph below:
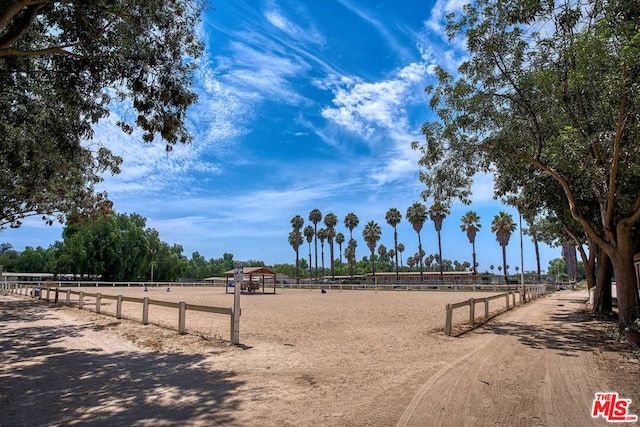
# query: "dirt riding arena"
{"points": [[341, 358]]}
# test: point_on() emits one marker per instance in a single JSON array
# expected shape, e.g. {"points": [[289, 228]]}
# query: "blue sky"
{"points": [[302, 105]]}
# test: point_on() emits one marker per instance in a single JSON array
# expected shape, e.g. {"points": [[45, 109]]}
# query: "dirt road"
{"points": [[538, 365]]}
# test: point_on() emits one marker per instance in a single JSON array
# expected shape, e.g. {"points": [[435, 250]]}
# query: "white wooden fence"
{"points": [[525, 294], [54, 294]]}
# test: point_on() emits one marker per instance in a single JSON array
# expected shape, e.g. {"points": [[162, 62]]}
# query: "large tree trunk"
{"points": [[602, 303], [625, 276], [589, 262], [571, 262]]}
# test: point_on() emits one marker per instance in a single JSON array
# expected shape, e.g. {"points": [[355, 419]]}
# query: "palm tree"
{"points": [[309, 233], [322, 235], [371, 235], [315, 216], [503, 226], [295, 240], [350, 254], [392, 256], [393, 218], [340, 241], [400, 249], [351, 221], [471, 225], [382, 251], [330, 220], [411, 262], [417, 215], [438, 212], [297, 222]]}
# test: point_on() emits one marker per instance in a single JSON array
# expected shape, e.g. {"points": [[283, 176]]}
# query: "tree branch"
{"points": [[616, 152], [21, 26], [591, 233], [56, 50]]}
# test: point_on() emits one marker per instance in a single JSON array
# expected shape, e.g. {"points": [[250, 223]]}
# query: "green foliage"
{"points": [[548, 100], [117, 247], [63, 64]]}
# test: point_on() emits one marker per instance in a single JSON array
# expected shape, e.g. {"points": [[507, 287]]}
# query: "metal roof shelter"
{"points": [[248, 282]]}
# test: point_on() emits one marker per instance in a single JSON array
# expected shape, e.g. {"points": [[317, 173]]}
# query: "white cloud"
{"points": [[308, 33], [482, 188], [363, 108], [437, 20]]}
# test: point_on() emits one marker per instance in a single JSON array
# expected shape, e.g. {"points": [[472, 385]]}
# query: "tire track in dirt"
{"points": [[528, 367]]}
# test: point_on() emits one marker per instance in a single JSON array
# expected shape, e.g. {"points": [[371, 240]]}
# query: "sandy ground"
{"points": [[350, 358]]}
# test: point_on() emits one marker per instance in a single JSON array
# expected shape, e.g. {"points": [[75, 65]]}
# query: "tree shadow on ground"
{"points": [[569, 331], [42, 383]]}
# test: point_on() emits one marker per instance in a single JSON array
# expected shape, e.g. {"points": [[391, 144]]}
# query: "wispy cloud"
{"points": [[378, 113], [380, 27], [305, 33]]}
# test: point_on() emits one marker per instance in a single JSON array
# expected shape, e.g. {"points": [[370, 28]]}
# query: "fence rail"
{"points": [[525, 294], [52, 294]]}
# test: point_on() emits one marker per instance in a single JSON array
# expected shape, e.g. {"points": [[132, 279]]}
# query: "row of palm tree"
{"points": [[502, 225]]}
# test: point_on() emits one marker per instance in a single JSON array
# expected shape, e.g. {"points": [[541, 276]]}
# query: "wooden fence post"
{"points": [[145, 311], [68, 296], [514, 298], [98, 300], [119, 307], [507, 297], [447, 322], [486, 308], [472, 311], [233, 338], [182, 323], [80, 297], [56, 295]]}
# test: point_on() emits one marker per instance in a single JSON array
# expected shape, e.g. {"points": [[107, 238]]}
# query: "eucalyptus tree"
{"points": [[64, 65], [417, 215], [315, 216], [309, 234], [471, 225], [438, 212], [503, 226], [393, 218], [561, 102], [330, 221], [322, 236], [340, 241], [295, 240], [371, 234]]}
